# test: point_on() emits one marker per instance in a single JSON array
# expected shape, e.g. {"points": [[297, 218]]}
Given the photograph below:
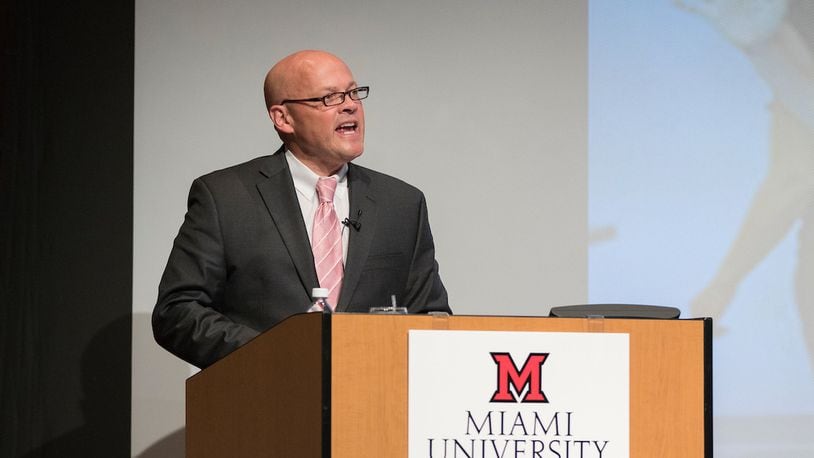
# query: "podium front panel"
{"points": [[670, 415], [264, 399]]}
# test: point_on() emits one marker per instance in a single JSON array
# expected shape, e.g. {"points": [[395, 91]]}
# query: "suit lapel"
{"points": [[279, 195], [361, 200]]}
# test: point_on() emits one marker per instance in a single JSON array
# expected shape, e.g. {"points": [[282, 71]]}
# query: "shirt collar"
{"points": [[305, 180]]}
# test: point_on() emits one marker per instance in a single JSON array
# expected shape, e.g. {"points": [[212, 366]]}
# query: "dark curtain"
{"points": [[66, 184]]}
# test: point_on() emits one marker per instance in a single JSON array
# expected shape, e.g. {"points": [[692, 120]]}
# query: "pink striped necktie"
{"points": [[326, 241]]}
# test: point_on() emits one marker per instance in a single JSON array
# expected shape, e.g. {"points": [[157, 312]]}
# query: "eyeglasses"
{"points": [[335, 98]]}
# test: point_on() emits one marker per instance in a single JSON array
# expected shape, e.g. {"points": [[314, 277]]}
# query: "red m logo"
{"points": [[527, 378]]}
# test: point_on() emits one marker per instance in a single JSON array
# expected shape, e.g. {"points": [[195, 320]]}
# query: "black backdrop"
{"points": [[66, 187]]}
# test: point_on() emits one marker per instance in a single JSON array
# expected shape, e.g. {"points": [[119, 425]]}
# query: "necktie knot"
{"points": [[326, 187]]}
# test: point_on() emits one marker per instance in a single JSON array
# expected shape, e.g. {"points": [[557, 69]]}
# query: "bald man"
{"points": [[243, 259]]}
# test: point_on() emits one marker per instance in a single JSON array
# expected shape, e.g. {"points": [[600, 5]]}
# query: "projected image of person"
{"points": [[257, 237], [778, 38]]}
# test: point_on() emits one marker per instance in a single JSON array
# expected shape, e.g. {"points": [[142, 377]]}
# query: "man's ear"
{"points": [[281, 119]]}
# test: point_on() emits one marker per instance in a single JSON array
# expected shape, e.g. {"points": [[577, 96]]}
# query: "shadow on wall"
{"points": [[170, 446], [157, 396], [103, 403]]}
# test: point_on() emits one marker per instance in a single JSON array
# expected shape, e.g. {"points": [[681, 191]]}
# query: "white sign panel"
{"points": [[484, 394]]}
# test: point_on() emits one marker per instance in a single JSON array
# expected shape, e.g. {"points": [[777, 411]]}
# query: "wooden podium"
{"points": [[336, 386]]}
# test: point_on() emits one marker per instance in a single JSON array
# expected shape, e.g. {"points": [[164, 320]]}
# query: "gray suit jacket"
{"points": [[242, 260]]}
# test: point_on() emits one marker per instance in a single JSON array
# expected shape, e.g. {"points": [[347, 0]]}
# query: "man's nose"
{"points": [[349, 105]]}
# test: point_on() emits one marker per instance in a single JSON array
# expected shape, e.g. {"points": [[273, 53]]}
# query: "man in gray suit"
{"points": [[243, 260]]}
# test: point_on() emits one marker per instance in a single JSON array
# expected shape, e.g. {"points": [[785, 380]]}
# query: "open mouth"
{"points": [[348, 128]]}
